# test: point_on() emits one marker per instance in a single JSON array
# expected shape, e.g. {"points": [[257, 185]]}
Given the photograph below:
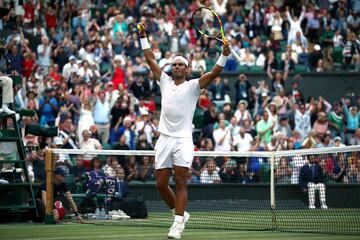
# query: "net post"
{"points": [[49, 171], [272, 182]]}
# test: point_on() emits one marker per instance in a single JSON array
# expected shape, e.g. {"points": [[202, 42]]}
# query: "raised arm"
{"points": [[207, 78], [148, 53]]}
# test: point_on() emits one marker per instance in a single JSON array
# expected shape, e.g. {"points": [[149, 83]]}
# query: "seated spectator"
{"points": [[310, 141], [283, 172], [121, 185], [110, 170], [210, 173], [242, 141], [95, 164], [242, 174], [146, 169], [356, 139], [133, 172], [78, 170], [325, 141], [311, 179], [89, 143], [228, 172]]}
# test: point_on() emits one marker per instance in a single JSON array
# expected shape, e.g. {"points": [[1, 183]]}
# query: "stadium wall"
{"points": [[331, 85]]}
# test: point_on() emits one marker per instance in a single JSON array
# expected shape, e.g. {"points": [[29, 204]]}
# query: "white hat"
{"points": [[127, 119]]}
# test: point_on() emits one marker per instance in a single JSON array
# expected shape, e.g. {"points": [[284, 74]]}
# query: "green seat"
{"points": [[107, 146], [256, 69], [198, 119], [338, 54], [300, 68], [242, 68]]}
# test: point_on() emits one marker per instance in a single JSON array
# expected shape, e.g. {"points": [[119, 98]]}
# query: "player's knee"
{"points": [[181, 182], [160, 185]]}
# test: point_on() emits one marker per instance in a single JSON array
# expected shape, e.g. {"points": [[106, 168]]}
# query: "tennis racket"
{"points": [[208, 24]]}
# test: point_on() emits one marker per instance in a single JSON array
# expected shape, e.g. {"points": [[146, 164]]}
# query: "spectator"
{"points": [[121, 189], [222, 137], [302, 120], [101, 114], [228, 172], [356, 139], [283, 172], [311, 179], [48, 108], [242, 87], [210, 173], [242, 141], [67, 134], [294, 24], [242, 113], [352, 117], [219, 90], [78, 170], [264, 129], [86, 117]]}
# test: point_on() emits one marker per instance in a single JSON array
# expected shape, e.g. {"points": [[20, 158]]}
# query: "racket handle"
{"points": [[236, 56]]}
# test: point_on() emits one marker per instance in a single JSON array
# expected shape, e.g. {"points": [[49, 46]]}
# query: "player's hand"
{"points": [[142, 29], [226, 49], [78, 219]]}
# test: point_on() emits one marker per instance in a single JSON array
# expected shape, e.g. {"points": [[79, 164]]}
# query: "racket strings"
{"points": [[205, 21]]}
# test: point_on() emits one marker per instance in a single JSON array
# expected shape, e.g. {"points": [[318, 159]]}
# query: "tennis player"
{"points": [[174, 148]]}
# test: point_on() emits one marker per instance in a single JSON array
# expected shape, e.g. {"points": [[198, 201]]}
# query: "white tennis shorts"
{"points": [[171, 151]]}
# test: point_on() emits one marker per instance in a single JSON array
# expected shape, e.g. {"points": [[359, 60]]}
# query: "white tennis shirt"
{"points": [[178, 103]]}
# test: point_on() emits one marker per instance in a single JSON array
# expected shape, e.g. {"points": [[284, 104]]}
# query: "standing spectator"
{"points": [[302, 120], [48, 108], [101, 114], [294, 24], [67, 134], [70, 68], [311, 179], [242, 88], [336, 121], [321, 125], [352, 117], [264, 129], [222, 137], [86, 118], [219, 90], [242, 113], [44, 53]]}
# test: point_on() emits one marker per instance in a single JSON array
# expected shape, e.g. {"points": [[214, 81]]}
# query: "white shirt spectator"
{"points": [[222, 138], [302, 123], [243, 142]]}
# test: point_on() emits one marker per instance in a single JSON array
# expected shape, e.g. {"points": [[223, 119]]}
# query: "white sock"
{"points": [[173, 211], [179, 219]]}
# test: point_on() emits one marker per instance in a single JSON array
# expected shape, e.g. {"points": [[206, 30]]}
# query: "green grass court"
{"points": [[88, 231]]}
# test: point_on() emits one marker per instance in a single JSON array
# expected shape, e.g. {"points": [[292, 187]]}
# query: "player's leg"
{"points": [[322, 190], [8, 96], [311, 192], [181, 201], [162, 185]]}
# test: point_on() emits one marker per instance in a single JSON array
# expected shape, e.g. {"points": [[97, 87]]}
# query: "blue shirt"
{"points": [[352, 121]]}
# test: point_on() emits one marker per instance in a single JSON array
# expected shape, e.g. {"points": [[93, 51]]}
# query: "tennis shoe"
{"points": [[311, 207], [176, 230], [324, 206], [186, 217]]}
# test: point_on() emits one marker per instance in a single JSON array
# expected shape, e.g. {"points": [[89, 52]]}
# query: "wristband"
{"points": [[144, 43], [222, 60]]}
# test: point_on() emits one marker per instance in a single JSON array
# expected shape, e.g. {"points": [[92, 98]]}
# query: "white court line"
{"points": [[135, 235]]}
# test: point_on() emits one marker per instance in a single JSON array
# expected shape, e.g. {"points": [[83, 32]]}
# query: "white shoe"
{"points": [[6, 110], [186, 217], [324, 206], [122, 214], [176, 230], [311, 207]]}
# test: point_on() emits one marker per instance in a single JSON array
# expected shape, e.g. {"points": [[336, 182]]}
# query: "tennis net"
{"points": [[312, 190]]}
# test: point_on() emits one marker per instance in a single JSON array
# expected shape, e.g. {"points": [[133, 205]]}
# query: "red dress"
{"points": [[119, 77], [27, 67]]}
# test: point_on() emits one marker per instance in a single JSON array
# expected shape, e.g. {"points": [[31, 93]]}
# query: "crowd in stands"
{"points": [[83, 70]]}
